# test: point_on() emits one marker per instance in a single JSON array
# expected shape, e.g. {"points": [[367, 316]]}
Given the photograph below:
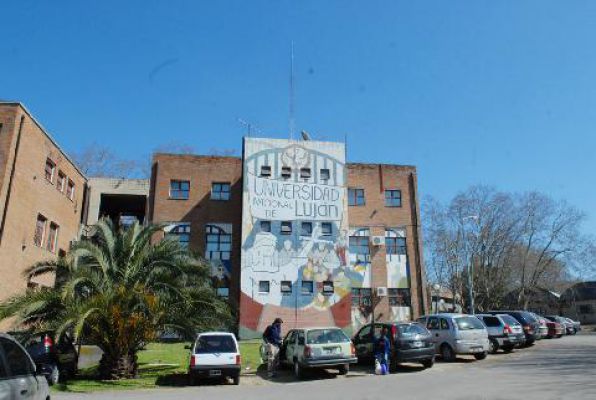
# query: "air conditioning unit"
{"points": [[378, 240], [381, 291]]}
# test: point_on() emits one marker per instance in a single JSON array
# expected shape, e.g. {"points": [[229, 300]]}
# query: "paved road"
{"points": [[552, 369]]}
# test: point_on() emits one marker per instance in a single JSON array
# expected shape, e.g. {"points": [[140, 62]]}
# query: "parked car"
{"points": [[530, 325], [310, 348], [457, 334], [574, 324], [55, 360], [214, 355], [555, 329], [569, 327], [543, 329], [504, 332], [410, 342], [19, 378]]}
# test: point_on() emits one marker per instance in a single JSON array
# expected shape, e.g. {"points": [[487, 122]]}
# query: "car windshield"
{"points": [[215, 344], [322, 336], [466, 323], [509, 320], [412, 329], [529, 317]]}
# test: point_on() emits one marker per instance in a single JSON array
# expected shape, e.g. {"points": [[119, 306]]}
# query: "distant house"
{"points": [[443, 300], [579, 302], [541, 301]]}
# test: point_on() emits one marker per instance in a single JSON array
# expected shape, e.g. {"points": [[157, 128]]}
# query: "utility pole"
{"points": [[471, 284]]}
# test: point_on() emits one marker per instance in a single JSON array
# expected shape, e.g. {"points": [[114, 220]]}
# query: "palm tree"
{"points": [[119, 290]]}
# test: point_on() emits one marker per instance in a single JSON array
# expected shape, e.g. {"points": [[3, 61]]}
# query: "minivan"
{"points": [[455, 334]]}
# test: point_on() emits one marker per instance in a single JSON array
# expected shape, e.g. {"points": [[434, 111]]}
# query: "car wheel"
{"points": [[54, 376], [298, 372], [344, 369], [507, 349], [428, 363], [193, 380], [480, 356], [447, 353], [493, 346], [236, 379]]}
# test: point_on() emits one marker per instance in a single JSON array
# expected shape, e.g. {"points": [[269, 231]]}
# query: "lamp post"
{"points": [[470, 271], [437, 289]]}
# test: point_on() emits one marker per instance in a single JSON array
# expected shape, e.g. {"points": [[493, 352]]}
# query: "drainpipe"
{"points": [[11, 179]]}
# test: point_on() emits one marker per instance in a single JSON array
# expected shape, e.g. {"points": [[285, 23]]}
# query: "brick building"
{"points": [[41, 198], [292, 230]]}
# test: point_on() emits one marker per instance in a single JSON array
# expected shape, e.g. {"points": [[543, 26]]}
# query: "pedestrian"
{"points": [[382, 350], [272, 338]]}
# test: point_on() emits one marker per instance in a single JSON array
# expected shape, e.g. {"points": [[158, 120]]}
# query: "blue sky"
{"points": [[493, 92]]}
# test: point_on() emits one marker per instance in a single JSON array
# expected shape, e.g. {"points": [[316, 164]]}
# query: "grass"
{"points": [[160, 364]]}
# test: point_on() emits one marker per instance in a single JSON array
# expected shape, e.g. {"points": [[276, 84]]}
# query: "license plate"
{"points": [[330, 350], [215, 372], [477, 349]]}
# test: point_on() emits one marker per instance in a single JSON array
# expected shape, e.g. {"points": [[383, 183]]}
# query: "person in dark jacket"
{"points": [[272, 339], [382, 349]]}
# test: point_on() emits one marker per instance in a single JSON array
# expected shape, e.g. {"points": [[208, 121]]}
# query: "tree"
{"points": [[119, 290], [101, 161]]}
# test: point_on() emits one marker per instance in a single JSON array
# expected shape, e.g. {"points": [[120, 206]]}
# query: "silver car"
{"points": [[18, 376], [504, 332], [455, 334]]}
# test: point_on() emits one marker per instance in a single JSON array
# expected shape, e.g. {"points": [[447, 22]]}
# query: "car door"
{"points": [[432, 324], [363, 343], [20, 371], [289, 350], [446, 332]]}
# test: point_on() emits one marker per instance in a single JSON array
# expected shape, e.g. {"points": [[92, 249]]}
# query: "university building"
{"points": [[41, 198], [291, 229]]}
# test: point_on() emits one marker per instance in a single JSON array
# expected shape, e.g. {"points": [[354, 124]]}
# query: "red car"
{"points": [[555, 329]]}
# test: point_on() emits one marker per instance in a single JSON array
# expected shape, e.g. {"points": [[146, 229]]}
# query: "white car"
{"points": [[214, 355], [18, 376]]}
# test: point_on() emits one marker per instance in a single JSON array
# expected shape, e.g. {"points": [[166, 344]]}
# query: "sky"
{"points": [[501, 93]]}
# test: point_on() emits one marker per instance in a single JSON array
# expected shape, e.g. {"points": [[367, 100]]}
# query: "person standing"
{"points": [[272, 338], [382, 350]]}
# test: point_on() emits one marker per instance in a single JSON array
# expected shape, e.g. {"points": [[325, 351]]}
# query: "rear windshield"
{"points": [[491, 321], [509, 320], [466, 323], [412, 329], [529, 317], [323, 336], [215, 344]]}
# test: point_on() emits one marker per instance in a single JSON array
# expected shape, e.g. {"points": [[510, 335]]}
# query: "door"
{"points": [[363, 343], [432, 324], [445, 332], [289, 348], [20, 371]]}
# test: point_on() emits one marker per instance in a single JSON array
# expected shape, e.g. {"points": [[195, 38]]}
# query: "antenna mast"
{"points": [[291, 100]]}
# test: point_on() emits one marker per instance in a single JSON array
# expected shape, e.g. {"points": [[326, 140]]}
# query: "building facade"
{"points": [[41, 198], [292, 230]]}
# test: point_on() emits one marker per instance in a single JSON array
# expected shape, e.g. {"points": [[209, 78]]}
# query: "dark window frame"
{"points": [[214, 235], [356, 197], [390, 198], [181, 232], [326, 229], [265, 171], [265, 223], [284, 285], [395, 245], [221, 194], [284, 224], [286, 172], [177, 192], [52, 164], [261, 285], [310, 285], [325, 174], [306, 232]]}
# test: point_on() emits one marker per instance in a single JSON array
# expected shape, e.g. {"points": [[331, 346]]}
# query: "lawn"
{"points": [[160, 365]]}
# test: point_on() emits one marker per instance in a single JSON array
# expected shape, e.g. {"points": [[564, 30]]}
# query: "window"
{"points": [[179, 190], [445, 324], [355, 197], [70, 189], [491, 321], [52, 237], [361, 297], [328, 288], [40, 228], [395, 245], [50, 167], [399, 297], [307, 287], [60, 182], [209, 344], [16, 358], [220, 191], [265, 226], [360, 248], [326, 229], [223, 292], [305, 173], [219, 243], [263, 286], [286, 287], [266, 170], [392, 198], [286, 172], [286, 227], [325, 175], [468, 323], [433, 323], [181, 232], [306, 229]]}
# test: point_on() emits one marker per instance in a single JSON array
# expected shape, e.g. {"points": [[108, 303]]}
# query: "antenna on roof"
{"points": [[291, 100]]}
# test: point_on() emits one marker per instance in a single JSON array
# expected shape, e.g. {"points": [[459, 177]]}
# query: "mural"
{"points": [[294, 235], [398, 274]]}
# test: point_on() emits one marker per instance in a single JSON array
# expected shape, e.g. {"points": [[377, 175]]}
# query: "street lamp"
{"points": [[437, 289], [470, 270]]}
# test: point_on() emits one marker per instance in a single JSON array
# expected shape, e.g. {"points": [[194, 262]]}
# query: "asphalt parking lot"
{"points": [[552, 369]]}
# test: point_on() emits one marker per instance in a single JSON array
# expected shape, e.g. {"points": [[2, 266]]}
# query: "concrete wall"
{"points": [[99, 186]]}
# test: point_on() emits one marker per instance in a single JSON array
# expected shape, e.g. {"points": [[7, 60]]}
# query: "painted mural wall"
{"points": [[294, 255]]}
